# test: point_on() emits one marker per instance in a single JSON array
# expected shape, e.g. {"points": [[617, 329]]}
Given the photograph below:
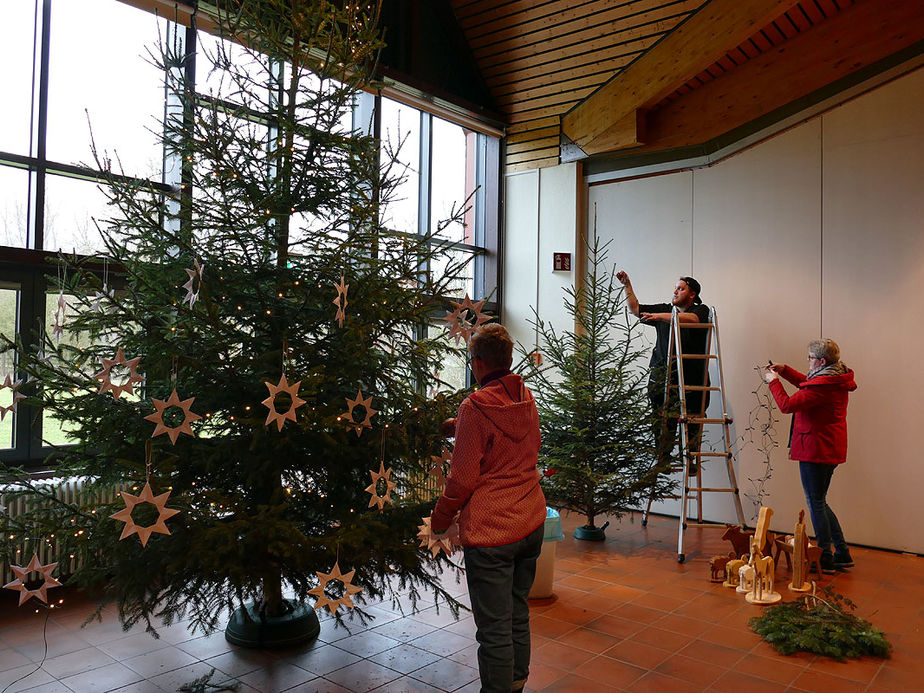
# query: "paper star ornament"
{"points": [[147, 496], [341, 300], [270, 402], [434, 543], [13, 386], [97, 304], [366, 403], [60, 317], [35, 566], [194, 282], [105, 375], [348, 590], [439, 466], [373, 488], [158, 416], [461, 325]]}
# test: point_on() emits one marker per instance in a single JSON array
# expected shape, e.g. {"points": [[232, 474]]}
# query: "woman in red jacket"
{"points": [[819, 436]]}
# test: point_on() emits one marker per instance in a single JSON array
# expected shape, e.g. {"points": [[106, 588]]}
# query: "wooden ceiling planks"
{"points": [[540, 59]]}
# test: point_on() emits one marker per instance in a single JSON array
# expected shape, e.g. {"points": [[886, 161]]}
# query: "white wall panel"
{"points": [[520, 270]]}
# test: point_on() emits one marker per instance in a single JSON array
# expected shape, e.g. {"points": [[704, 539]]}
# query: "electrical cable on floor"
{"points": [[44, 653]]}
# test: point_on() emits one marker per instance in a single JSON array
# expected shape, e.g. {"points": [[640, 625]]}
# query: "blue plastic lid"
{"points": [[552, 526]]}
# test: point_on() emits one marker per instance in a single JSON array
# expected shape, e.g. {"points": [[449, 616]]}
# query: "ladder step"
{"points": [[709, 490], [694, 325], [709, 454], [698, 420], [696, 356], [697, 388]]}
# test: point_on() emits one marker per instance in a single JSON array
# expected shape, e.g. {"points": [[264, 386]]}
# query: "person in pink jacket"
{"points": [[819, 437], [493, 484]]}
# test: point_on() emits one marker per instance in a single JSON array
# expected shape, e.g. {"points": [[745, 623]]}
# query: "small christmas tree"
{"points": [[279, 321], [597, 439]]}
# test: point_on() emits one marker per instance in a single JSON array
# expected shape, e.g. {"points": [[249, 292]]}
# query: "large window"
{"points": [[85, 75]]}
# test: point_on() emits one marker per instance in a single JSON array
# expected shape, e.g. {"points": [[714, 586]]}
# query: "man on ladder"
{"points": [[695, 371]]}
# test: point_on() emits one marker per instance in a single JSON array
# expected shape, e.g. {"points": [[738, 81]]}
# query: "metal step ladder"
{"points": [[693, 488]]}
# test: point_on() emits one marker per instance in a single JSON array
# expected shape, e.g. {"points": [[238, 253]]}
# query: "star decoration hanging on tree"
{"points": [[270, 402], [385, 476], [194, 275], [439, 466], [460, 325], [41, 592], [105, 375], [348, 589], [434, 543], [158, 416], [12, 385], [60, 318], [97, 305], [341, 300], [147, 496], [366, 403]]}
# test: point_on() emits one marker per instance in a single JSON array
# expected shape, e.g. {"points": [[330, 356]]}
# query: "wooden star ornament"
{"points": [[147, 496], [105, 375], [13, 386], [460, 325], [434, 543], [194, 282], [98, 296], [341, 300], [366, 403], [349, 589], [439, 466], [270, 402], [373, 488], [158, 416], [35, 566]]}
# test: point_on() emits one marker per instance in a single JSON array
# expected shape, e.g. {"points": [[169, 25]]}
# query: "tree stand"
{"points": [[588, 533], [255, 629]]}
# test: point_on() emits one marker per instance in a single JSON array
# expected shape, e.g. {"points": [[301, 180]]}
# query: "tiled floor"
{"points": [[626, 616]]}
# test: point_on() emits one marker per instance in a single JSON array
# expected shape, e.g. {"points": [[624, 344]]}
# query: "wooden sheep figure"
{"points": [[731, 571], [717, 566], [745, 579]]}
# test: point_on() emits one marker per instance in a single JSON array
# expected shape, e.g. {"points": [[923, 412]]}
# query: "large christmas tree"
{"points": [[597, 437], [267, 287]]}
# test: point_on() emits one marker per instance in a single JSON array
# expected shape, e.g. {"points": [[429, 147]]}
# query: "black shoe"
{"points": [[827, 564], [843, 561]]}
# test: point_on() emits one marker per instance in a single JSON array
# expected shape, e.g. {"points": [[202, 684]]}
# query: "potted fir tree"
{"points": [[597, 439]]}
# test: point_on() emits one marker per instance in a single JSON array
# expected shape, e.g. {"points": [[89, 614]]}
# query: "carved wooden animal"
{"points": [[717, 566], [741, 539], [813, 555], [731, 571]]}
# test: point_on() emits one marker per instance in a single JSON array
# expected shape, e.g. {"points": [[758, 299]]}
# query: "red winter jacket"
{"points": [[819, 431], [493, 477]]}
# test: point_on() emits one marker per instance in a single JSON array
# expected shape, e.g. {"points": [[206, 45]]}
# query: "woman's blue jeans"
{"points": [[499, 579], [816, 478]]}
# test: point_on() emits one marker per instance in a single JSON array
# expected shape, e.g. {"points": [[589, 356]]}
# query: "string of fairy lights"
{"points": [[465, 317]]}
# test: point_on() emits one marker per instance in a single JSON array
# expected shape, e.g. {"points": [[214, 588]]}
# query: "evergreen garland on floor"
{"points": [[823, 626]]}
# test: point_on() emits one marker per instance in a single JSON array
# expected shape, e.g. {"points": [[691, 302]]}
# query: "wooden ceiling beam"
{"points": [[855, 38], [609, 118]]}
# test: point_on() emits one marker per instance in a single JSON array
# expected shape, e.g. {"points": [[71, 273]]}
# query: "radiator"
{"points": [[71, 491]]}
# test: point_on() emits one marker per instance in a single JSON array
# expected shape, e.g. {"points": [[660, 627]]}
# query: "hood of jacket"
{"points": [[508, 405], [841, 381]]}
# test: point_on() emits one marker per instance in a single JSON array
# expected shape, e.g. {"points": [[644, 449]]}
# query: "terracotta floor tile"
{"points": [[735, 638], [590, 640], [712, 653], [688, 669], [653, 682], [572, 614], [638, 653], [736, 682], [563, 655], [818, 682], [446, 674], [664, 639], [659, 601], [682, 624], [610, 671], [542, 674], [777, 669], [615, 626], [573, 683], [405, 658], [362, 676], [639, 614], [549, 627]]}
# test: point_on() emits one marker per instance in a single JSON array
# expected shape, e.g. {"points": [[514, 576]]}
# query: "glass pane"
{"points": [[401, 141], [17, 31], [464, 281], [72, 209], [14, 190], [9, 298], [99, 66], [452, 181], [450, 376], [250, 89]]}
